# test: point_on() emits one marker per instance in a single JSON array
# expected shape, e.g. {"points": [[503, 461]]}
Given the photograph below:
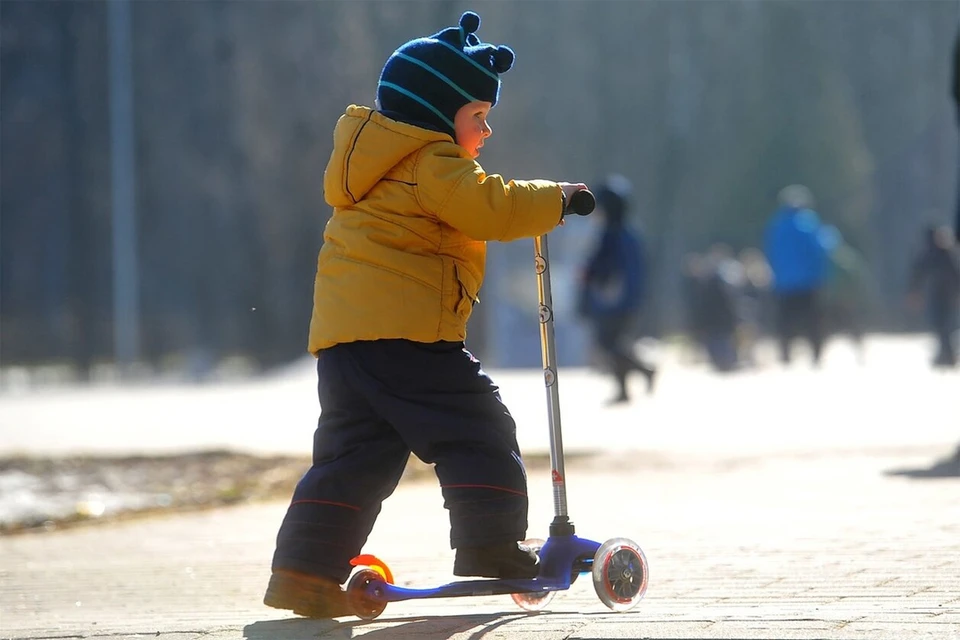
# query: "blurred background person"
{"points": [[955, 85], [692, 276], [718, 306], [754, 303], [721, 305], [935, 280], [612, 287], [847, 293], [794, 247]]}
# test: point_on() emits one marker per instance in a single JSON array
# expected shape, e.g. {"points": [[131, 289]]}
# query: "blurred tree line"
{"points": [[708, 107]]}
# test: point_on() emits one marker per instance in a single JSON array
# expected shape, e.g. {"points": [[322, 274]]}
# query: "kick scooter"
{"points": [[618, 566]]}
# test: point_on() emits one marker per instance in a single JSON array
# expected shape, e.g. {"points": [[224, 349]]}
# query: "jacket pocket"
{"points": [[469, 290]]}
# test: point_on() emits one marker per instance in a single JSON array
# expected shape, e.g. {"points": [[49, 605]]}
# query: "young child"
{"points": [[397, 277]]}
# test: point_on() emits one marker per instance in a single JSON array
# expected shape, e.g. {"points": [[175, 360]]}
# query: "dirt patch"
{"points": [[45, 494], [49, 494]]}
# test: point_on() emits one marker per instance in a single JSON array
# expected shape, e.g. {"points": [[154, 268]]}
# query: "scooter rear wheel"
{"points": [[364, 606], [620, 573], [534, 601]]}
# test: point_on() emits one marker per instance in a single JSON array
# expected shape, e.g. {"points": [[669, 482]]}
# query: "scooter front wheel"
{"points": [[620, 573], [363, 605], [533, 601]]}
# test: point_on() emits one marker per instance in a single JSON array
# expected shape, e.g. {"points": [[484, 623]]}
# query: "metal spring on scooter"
{"points": [[559, 499]]}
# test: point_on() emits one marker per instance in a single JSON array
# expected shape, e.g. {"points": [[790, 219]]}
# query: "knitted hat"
{"points": [[427, 80]]}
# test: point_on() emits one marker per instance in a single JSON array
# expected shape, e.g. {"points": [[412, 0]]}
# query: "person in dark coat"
{"points": [[613, 286], [935, 279], [955, 86]]}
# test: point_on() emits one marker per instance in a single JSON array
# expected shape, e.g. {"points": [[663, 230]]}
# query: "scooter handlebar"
{"points": [[581, 203]]}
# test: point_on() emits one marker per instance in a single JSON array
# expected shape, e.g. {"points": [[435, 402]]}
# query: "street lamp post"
{"points": [[126, 275]]}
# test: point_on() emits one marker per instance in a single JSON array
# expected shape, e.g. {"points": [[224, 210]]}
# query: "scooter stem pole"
{"points": [[548, 350]]}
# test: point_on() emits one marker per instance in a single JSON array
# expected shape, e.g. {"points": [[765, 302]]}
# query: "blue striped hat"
{"points": [[427, 80]]}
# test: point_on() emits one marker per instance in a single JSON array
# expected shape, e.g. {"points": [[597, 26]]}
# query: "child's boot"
{"points": [[508, 560], [306, 595]]}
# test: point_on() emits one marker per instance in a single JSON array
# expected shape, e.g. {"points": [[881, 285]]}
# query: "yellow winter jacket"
{"points": [[404, 252]]}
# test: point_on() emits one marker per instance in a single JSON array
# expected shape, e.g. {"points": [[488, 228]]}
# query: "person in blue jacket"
{"points": [[613, 286], [797, 246]]}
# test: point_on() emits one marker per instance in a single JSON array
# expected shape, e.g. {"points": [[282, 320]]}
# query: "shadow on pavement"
{"points": [[294, 629], [421, 627], [949, 468]]}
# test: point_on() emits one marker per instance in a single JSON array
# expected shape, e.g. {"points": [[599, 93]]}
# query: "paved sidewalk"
{"points": [[826, 547], [763, 516]]}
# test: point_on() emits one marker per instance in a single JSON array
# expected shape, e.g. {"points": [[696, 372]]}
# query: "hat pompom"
{"points": [[469, 22], [502, 58]]}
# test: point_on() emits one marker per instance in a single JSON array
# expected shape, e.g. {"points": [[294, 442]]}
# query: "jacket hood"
{"points": [[367, 145]]}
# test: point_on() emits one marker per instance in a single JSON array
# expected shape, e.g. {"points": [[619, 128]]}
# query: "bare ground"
{"points": [[48, 494]]}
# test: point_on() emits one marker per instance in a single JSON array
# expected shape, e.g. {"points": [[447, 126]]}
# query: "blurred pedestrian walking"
{"points": [[613, 287], [935, 281], [796, 249]]}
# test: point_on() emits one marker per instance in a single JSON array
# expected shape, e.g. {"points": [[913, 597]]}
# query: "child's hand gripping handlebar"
{"points": [[581, 203]]}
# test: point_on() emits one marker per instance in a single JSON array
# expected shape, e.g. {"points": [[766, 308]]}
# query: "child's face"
{"points": [[470, 125]]}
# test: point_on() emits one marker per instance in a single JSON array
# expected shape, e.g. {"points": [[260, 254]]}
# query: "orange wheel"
{"points": [[364, 606]]}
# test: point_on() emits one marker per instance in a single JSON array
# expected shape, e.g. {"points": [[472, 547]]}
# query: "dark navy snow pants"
{"points": [[379, 401]]}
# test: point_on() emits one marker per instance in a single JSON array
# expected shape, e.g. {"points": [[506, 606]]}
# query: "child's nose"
{"points": [[486, 129]]}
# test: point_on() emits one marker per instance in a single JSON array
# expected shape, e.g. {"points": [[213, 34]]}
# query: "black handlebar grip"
{"points": [[581, 203]]}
